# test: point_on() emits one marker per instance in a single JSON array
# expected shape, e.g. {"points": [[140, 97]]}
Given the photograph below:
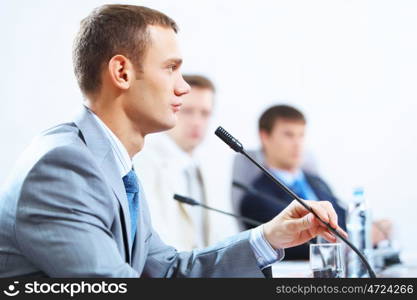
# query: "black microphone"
{"points": [[238, 147], [186, 200], [192, 202]]}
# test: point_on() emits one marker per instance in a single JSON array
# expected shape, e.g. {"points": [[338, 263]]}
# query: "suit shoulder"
{"points": [[261, 180], [314, 177], [62, 143], [60, 128], [318, 183], [63, 137]]}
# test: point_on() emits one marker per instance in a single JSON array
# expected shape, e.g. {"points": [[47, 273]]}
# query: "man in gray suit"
{"points": [[73, 206]]}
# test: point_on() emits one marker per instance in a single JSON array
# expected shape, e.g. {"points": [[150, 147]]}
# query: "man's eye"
{"points": [[172, 67]]}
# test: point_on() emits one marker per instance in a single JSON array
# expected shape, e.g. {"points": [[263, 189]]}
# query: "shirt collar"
{"points": [[124, 163], [181, 157], [288, 178]]}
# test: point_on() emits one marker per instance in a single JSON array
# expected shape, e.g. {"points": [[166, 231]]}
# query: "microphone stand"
{"points": [[192, 202]]}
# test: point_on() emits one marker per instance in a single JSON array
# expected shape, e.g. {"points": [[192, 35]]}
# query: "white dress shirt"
{"points": [[124, 163]]}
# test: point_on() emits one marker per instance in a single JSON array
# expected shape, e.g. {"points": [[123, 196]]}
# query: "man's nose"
{"points": [[182, 88]]}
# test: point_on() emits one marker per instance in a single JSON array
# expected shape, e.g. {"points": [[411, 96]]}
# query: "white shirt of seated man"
{"points": [[169, 164]]}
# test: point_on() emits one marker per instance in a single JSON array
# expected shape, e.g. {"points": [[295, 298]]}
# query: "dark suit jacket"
{"points": [[271, 200]]}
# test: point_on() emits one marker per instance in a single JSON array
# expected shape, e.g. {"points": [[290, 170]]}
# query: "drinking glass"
{"points": [[326, 260]]}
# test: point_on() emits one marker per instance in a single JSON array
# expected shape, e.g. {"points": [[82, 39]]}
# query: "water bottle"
{"points": [[359, 226]]}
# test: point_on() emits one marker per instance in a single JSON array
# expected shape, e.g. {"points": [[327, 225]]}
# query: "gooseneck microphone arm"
{"points": [[238, 147], [192, 202]]}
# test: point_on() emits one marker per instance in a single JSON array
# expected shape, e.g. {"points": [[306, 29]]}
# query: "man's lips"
{"points": [[176, 107]]}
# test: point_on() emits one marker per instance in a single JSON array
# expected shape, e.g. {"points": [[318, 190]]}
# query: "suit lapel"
{"points": [[97, 142], [269, 187], [138, 250], [317, 188], [113, 178]]}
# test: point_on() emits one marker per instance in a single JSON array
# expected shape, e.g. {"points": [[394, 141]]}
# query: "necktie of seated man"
{"points": [[130, 182], [298, 188]]}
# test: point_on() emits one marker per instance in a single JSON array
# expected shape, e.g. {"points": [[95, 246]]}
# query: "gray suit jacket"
{"points": [[64, 213]]}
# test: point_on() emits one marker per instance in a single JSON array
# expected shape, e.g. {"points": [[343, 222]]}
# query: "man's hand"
{"points": [[381, 230], [295, 225]]}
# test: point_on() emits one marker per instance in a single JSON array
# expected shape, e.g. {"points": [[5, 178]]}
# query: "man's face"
{"points": [[193, 119], [154, 98], [285, 144]]}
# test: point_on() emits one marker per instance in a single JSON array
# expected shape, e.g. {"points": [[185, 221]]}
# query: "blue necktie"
{"points": [[298, 188], [132, 192]]}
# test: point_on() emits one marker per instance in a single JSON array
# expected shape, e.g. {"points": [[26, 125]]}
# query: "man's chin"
{"points": [[163, 128], [169, 123], [291, 164], [160, 127]]}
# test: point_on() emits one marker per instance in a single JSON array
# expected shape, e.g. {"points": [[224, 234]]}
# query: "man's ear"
{"points": [[264, 137], [121, 71]]}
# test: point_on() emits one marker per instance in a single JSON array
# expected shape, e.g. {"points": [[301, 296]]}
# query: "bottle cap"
{"points": [[358, 191]]}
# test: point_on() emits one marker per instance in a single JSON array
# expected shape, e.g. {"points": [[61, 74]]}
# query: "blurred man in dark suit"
{"points": [[282, 130]]}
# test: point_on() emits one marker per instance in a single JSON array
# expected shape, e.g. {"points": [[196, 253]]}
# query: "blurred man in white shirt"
{"points": [[169, 165]]}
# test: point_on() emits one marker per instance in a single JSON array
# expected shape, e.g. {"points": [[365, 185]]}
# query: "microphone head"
{"points": [[184, 199], [228, 139], [239, 185]]}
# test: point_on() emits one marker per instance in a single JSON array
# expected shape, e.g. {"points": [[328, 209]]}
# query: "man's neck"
{"points": [[280, 166], [188, 151], [117, 121]]}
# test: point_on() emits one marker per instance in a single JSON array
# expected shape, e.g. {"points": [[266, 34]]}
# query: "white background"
{"points": [[351, 66]]}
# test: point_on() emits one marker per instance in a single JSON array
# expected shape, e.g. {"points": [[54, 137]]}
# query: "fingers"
{"points": [[332, 214], [296, 210], [303, 219], [326, 212], [321, 209], [342, 232], [328, 236], [384, 225], [323, 228], [305, 222]]}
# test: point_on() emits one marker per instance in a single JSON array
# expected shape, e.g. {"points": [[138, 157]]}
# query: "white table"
{"points": [[301, 269]]}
